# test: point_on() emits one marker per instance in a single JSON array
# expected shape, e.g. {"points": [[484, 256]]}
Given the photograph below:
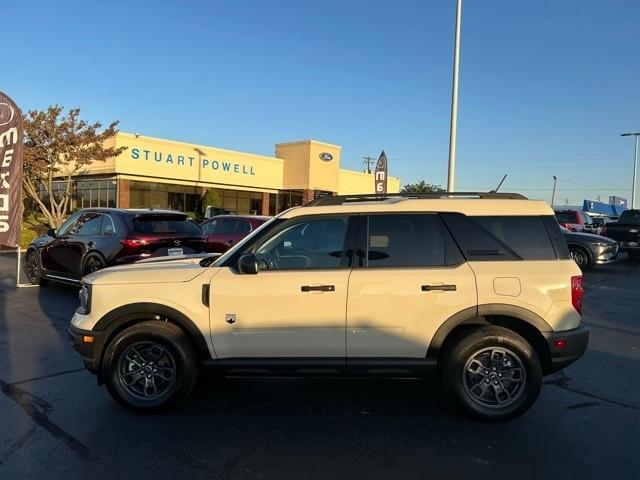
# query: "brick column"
{"points": [[307, 196], [123, 193], [265, 203]]}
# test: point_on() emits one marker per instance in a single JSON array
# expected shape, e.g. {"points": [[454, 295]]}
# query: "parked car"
{"points": [[361, 285], [589, 250], [223, 231], [576, 221], [95, 238], [626, 231]]}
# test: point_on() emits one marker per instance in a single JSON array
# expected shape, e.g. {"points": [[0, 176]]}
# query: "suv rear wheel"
{"points": [[150, 366], [492, 373]]}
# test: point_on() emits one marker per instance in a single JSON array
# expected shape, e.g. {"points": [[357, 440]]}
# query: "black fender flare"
{"points": [[132, 313], [475, 316]]}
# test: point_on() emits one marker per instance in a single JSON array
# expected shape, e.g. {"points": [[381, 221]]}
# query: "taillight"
{"points": [[133, 242], [577, 291]]}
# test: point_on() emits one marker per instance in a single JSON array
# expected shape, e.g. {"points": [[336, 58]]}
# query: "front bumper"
{"points": [[87, 350], [575, 344], [606, 254]]}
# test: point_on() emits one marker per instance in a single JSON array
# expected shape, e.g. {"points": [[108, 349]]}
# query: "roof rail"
{"points": [[327, 200]]}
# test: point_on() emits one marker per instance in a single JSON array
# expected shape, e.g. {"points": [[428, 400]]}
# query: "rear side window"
{"points": [[407, 240], [165, 225], [630, 216], [566, 217], [501, 237]]}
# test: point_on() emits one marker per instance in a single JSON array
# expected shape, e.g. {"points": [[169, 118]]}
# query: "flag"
{"points": [[10, 171], [381, 174]]}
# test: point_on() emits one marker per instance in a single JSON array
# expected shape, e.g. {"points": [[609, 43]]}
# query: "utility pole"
{"points": [[368, 161], [553, 193], [635, 166], [453, 131]]}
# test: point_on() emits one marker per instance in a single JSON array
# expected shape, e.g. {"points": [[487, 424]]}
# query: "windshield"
{"points": [[241, 243]]}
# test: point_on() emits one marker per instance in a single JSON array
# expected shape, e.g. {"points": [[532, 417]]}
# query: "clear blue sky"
{"points": [[546, 86]]}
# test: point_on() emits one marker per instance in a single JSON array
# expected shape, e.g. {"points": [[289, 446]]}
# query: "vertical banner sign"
{"points": [[10, 171], [381, 174]]}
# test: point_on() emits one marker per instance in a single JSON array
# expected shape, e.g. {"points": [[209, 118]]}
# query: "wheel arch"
{"points": [[89, 254], [583, 247], [127, 315], [524, 322]]}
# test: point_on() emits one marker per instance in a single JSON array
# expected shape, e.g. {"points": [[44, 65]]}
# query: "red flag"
{"points": [[381, 174], [10, 171]]}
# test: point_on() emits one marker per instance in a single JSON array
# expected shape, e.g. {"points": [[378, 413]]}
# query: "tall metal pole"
{"points": [[553, 193], [635, 167], [453, 132]]}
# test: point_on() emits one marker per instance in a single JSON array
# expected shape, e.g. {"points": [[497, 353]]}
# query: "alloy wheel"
{"points": [[146, 370], [494, 377], [578, 257], [33, 267]]}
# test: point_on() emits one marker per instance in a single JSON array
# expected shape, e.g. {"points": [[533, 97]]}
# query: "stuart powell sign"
{"points": [[381, 174], [10, 171]]}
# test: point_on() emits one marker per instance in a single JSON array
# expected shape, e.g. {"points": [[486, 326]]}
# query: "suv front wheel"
{"points": [[492, 373], [150, 366]]}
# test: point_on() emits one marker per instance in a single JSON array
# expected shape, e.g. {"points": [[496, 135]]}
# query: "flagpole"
{"points": [[453, 132]]}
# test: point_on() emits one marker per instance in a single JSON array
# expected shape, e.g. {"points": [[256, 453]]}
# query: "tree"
{"points": [[422, 187], [57, 147]]}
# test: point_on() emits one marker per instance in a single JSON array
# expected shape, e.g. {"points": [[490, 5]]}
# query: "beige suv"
{"points": [[478, 289]]}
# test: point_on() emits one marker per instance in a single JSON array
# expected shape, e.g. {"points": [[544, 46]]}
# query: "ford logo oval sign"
{"points": [[326, 156]]}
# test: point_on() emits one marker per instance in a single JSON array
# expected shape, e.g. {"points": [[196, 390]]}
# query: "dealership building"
{"points": [[158, 173]]}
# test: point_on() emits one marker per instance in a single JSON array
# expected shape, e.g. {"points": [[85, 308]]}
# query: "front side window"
{"points": [[315, 243], [210, 227], [244, 227], [88, 226], [405, 240], [70, 224]]}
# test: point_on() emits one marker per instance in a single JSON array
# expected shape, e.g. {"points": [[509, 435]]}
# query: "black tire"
{"points": [[581, 257], [33, 268], [462, 386], [93, 263], [135, 339]]}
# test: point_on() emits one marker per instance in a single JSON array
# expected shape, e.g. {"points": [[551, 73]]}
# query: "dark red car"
{"points": [[576, 221], [224, 231], [94, 238]]}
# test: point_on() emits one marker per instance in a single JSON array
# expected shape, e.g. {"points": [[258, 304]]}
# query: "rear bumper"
{"points": [[576, 342], [88, 351]]}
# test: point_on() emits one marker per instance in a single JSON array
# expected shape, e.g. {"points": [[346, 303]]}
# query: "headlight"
{"points": [[85, 299], [604, 244]]}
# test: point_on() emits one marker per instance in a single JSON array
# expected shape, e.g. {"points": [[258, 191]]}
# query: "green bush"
{"points": [[27, 237]]}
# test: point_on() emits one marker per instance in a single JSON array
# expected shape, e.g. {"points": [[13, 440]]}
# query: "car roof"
{"points": [[469, 204], [245, 217], [132, 211]]}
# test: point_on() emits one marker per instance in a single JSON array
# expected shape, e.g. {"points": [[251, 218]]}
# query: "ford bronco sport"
{"points": [[478, 289]]}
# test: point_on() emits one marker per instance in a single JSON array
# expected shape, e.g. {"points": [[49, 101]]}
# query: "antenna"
{"points": [[499, 185]]}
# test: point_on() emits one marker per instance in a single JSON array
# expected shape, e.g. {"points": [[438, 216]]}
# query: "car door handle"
{"points": [[445, 288], [318, 288]]}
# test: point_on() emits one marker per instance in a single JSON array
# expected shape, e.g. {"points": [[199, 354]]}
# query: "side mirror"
{"points": [[51, 232], [248, 264]]}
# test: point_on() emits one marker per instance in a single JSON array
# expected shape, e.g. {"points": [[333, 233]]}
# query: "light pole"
{"points": [[553, 193], [635, 166], [453, 131]]}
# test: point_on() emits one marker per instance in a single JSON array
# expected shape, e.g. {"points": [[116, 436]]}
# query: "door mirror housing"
{"points": [[248, 264]]}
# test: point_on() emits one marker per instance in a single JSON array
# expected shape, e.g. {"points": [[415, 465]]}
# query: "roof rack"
{"points": [[327, 200]]}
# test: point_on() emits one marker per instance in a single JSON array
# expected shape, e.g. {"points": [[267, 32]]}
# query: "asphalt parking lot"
{"points": [[56, 423]]}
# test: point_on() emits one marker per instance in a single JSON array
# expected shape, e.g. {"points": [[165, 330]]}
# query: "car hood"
{"points": [[587, 237], [156, 270]]}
